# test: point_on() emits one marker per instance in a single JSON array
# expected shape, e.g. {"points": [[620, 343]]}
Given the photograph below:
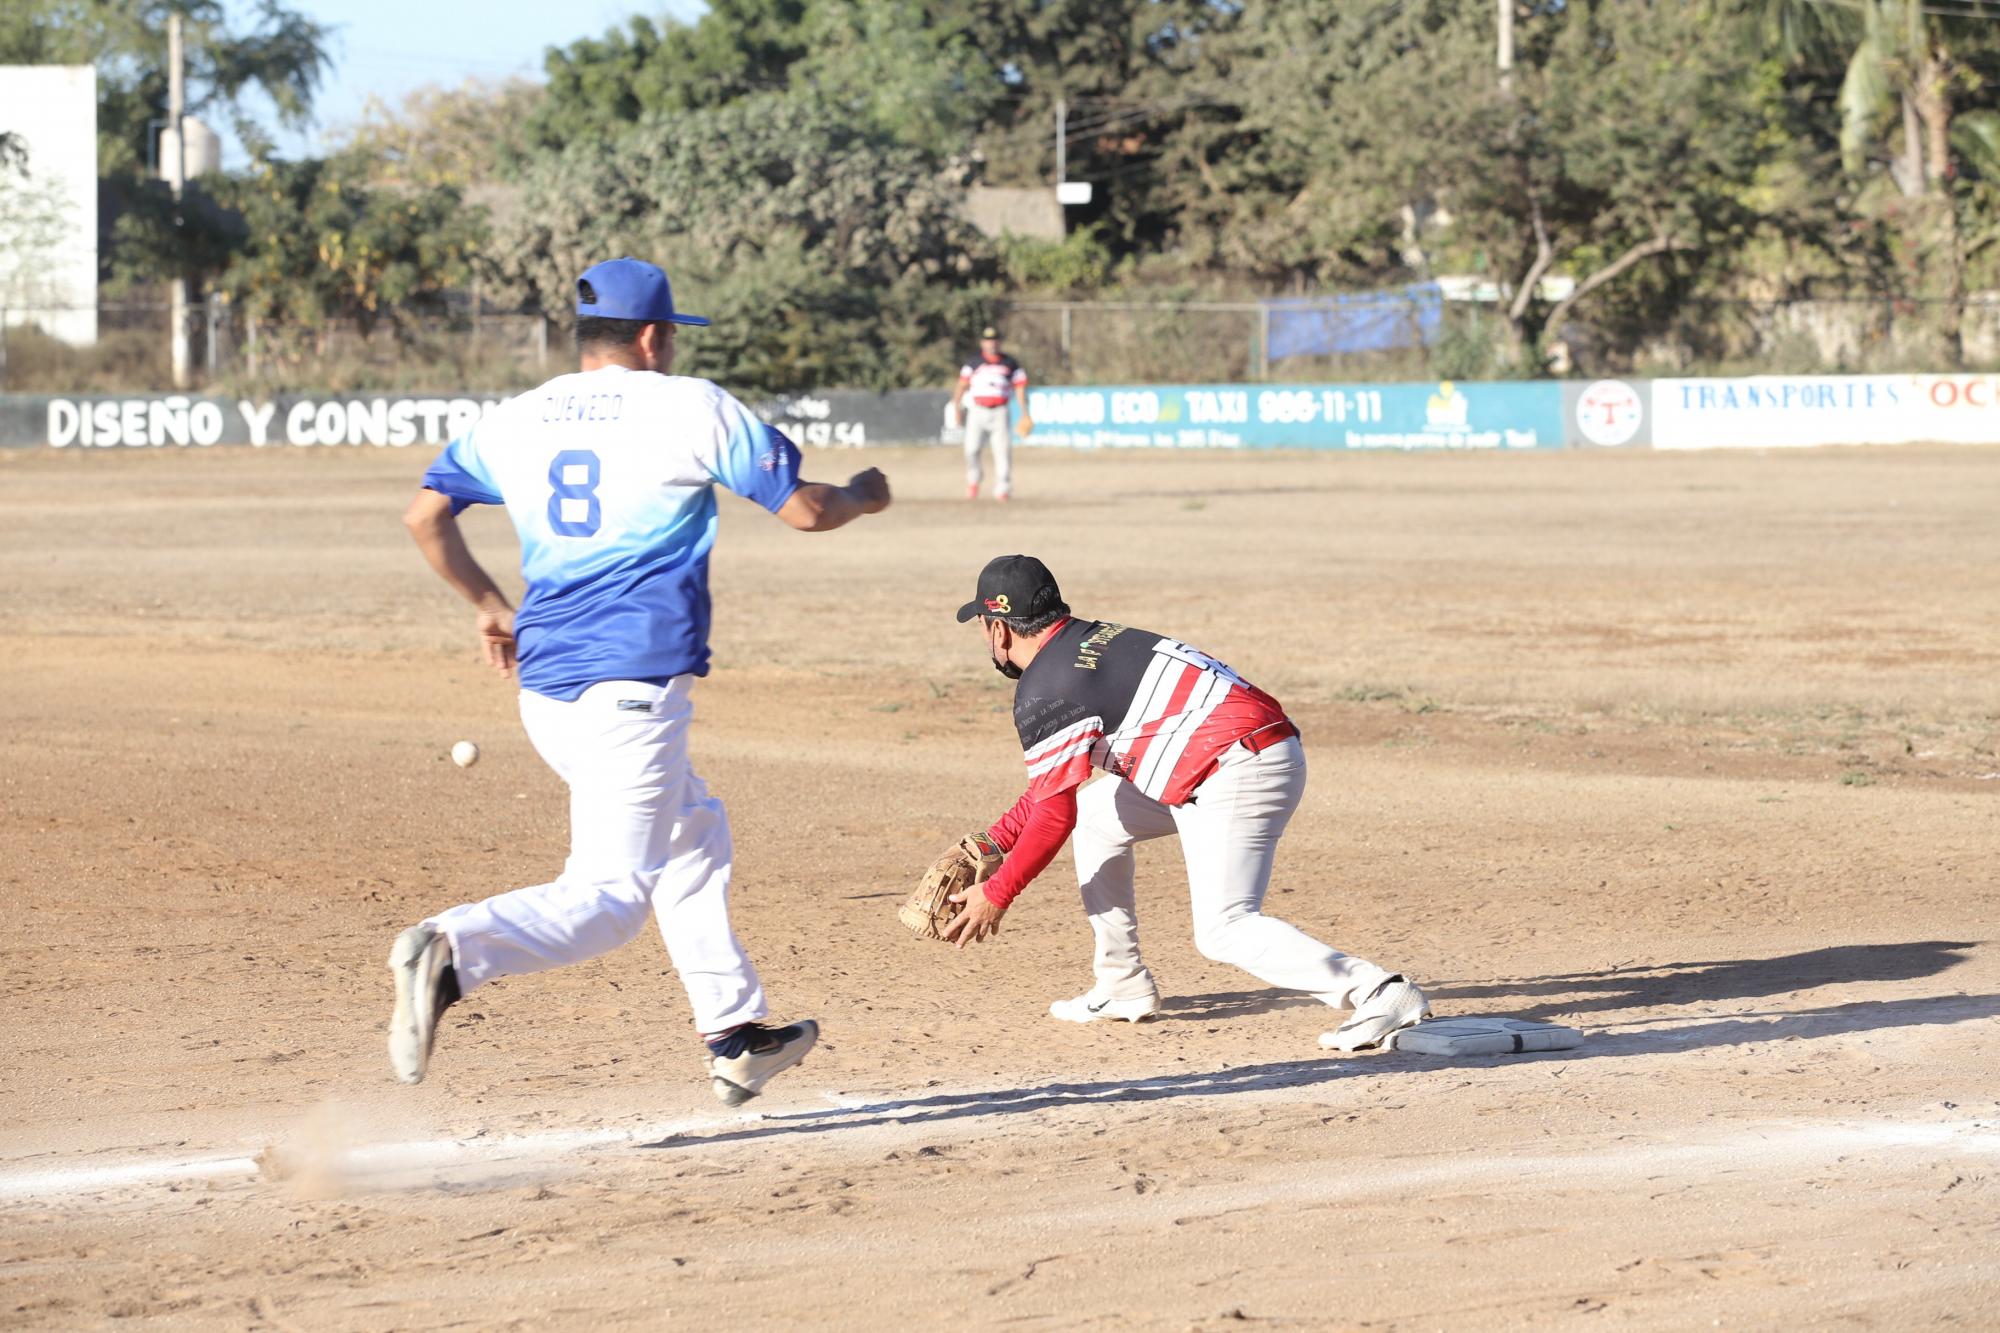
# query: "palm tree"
{"points": [[1897, 91], [1904, 68]]}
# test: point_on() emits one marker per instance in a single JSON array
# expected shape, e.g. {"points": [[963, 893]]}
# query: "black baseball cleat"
{"points": [[740, 1064], [426, 985]]}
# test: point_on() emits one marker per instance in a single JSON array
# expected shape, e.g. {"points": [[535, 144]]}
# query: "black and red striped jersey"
{"points": [[992, 383], [1147, 709]]}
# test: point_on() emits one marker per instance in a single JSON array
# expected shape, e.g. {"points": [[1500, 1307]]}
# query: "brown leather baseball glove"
{"points": [[972, 860]]}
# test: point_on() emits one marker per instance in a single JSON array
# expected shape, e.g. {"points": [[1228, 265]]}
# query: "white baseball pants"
{"points": [[984, 425], [1229, 837], [644, 834]]}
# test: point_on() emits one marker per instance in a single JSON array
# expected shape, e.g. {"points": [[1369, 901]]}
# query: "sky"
{"points": [[386, 48]]}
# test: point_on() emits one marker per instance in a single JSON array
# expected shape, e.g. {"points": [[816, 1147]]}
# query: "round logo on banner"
{"points": [[1609, 412]]}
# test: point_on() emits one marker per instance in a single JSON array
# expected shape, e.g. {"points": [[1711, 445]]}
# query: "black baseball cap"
{"points": [[1018, 587]]}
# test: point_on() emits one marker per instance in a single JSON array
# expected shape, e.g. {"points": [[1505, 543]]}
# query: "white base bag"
{"points": [[1484, 1036]]}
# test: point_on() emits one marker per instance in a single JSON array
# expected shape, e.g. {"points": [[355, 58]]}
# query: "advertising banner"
{"points": [[1788, 411], [89, 422], [1748, 413], [1436, 415], [1608, 414], [396, 421], [849, 418]]}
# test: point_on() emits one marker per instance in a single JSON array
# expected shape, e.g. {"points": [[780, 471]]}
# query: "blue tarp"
{"points": [[1409, 316]]}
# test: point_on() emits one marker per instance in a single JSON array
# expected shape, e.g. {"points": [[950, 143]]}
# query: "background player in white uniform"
{"points": [[991, 380], [1191, 748], [609, 477]]}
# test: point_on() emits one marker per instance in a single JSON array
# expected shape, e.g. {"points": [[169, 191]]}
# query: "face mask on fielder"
{"points": [[998, 651]]}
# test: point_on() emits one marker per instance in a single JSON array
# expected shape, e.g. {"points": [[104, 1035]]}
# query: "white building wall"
{"points": [[48, 222]]}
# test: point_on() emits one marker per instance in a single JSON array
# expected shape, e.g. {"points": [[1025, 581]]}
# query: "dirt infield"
{"points": [[1697, 753]]}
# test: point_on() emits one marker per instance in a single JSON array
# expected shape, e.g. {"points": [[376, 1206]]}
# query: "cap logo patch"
{"points": [[999, 605]]}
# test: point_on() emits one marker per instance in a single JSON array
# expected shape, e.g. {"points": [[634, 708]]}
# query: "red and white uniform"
{"points": [[992, 381], [989, 385], [1190, 748], [1150, 710]]}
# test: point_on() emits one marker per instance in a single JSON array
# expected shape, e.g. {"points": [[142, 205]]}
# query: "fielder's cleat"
{"points": [[972, 492], [1389, 1008], [758, 1054], [1004, 496], [420, 962], [1090, 1007]]}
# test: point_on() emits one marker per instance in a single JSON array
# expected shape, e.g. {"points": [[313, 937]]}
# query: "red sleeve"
{"points": [[1031, 833], [1006, 830]]}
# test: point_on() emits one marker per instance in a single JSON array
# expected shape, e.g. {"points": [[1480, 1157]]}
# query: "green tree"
{"points": [[1130, 72], [322, 245], [827, 253], [34, 220], [1914, 104], [1380, 139], [279, 52], [739, 47], [902, 67], [467, 136]]}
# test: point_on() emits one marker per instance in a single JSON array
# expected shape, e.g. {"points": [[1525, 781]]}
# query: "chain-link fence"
{"points": [[1362, 338], [52, 350], [1408, 334], [470, 351]]}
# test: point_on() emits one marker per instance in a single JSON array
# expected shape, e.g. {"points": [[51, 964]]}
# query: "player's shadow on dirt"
{"points": [[1644, 987], [1736, 1030], [1219, 1005]]}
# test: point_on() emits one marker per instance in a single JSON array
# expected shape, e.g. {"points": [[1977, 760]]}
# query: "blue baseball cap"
{"points": [[628, 289]]}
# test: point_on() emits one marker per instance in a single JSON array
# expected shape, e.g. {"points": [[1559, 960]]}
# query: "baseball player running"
{"points": [[609, 476], [991, 380], [1190, 747]]}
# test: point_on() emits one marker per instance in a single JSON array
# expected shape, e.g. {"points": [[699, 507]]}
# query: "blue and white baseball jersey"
{"points": [[609, 477]]}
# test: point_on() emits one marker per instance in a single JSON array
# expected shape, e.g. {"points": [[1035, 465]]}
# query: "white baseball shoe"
{"points": [[1089, 1007], [1389, 1008], [763, 1054], [420, 962]]}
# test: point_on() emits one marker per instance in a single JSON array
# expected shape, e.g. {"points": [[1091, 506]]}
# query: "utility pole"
{"points": [[1062, 140], [177, 178], [1062, 158], [1506, 51]]}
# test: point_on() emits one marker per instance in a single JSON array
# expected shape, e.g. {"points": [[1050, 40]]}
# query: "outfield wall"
{"points": [[1745, 413]]}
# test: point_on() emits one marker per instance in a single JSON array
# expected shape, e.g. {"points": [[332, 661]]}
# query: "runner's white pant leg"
{"points": [[637, 816], [691, 904], [1112, 815], [1229, 835]]}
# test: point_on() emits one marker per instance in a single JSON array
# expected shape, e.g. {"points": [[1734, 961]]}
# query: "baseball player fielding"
{"points": [[1187, 747], [992, 381]]}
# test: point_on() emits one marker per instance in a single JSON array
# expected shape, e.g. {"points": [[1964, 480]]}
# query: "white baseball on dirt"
{"points": [[465, 754]]}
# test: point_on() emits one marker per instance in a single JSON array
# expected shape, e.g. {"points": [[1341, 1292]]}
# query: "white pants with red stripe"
{"points": [[644, 835], [984, 425], [1229, 837]]}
